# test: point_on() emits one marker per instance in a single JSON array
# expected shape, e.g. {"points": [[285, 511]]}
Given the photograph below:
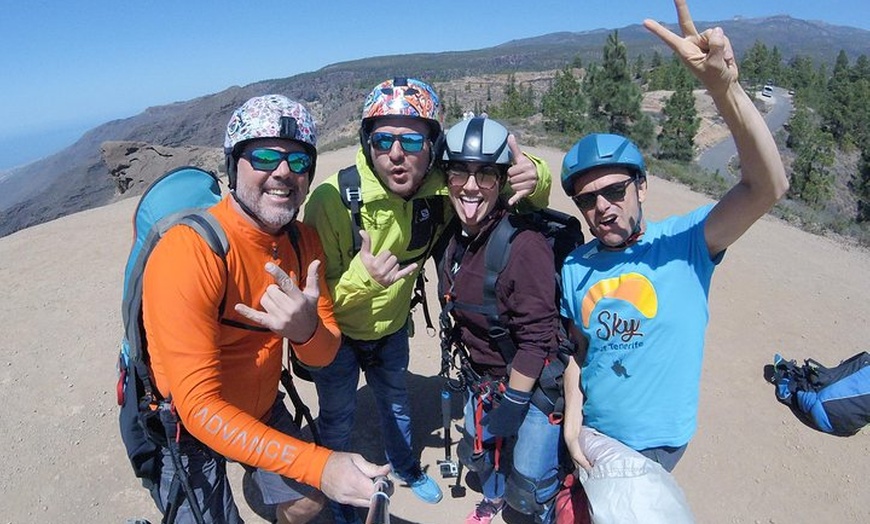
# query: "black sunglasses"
{"points": [[612, 193], [265, 159], [486, 177], [410, 142]]}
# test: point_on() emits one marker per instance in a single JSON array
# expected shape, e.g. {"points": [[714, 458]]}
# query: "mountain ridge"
{"points": [[335, 94]]}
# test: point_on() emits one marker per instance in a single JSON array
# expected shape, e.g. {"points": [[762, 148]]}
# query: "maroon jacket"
{"points": [[525, 296]]}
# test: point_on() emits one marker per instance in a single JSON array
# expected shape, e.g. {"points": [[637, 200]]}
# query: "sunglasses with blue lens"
{"points": [[265, 159], [612, 193], [410, 142]]}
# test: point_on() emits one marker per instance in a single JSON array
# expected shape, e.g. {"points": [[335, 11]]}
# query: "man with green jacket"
{"points": [[404, 211]]}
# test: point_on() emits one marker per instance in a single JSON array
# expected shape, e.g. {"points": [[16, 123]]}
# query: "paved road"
{"points": [[717, 157]]}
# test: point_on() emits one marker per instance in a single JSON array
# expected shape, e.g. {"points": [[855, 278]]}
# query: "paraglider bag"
{"points": [[625, 487], [832, 400]]}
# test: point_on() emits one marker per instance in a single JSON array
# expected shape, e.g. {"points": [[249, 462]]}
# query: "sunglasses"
{"points": [[612, 193], [486, 177], [265, 159], [410, 142]]}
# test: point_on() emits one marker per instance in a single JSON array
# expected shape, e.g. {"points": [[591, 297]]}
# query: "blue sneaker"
{"points": [[423, 487]]}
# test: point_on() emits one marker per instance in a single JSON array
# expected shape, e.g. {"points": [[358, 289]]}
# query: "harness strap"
{"points": [[478, 428], [302, 410], [351, 194], [485, 390], [350, 191], [172, 427]]}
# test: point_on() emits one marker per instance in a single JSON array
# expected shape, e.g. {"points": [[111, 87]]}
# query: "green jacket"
{"points": [[365, 310]]}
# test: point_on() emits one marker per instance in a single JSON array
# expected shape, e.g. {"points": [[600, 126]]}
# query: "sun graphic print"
{"points": [[633, 288]]}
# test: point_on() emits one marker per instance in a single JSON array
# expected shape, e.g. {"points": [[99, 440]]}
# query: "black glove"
{"points": [[505, 419]]}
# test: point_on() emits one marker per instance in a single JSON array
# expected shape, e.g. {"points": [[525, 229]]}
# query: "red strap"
{"points": [[177, 421], [478, 428], [120, 387]]}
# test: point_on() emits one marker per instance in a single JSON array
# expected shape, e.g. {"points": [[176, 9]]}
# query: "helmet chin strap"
{"points": [[636, 233], [254, 217]]}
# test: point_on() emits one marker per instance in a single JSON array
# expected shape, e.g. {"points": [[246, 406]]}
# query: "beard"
{"points": [[269, 213]]}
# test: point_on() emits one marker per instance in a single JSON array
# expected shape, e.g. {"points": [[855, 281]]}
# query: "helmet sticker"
{"points": [[267, 117]]}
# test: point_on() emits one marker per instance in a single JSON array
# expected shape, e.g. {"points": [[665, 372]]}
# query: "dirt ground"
{"points": [[778, 290]]}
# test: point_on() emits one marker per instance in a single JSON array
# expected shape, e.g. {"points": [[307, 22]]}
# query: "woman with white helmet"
{"points": [[509, 440]]}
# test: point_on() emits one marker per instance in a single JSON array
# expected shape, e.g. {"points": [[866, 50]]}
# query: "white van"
{"points": [[767, 90]]}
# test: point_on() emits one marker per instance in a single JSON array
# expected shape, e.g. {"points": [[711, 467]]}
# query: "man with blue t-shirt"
{"points": [[636, 295]]}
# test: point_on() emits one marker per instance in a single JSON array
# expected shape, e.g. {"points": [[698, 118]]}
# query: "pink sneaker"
{"points": [[484, 512]]}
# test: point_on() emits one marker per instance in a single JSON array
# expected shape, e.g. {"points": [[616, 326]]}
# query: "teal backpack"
{"points": [[180, 196]]}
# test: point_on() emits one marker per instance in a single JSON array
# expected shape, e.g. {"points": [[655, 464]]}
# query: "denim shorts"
{"points": [[206, 471]]}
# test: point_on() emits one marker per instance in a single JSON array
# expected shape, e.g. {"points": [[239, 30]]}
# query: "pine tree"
{"points": [[839, 102], [812, 181], [677, 137], [755, 66], [517, 103], [814, 154], [563, 105], [800, 127], [639, 67], [454, 109], [801, 71], [776, 68], [862, 188], [614, 100]]}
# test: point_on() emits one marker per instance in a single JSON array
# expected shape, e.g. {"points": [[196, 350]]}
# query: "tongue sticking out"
{"points": [[469, 208]]}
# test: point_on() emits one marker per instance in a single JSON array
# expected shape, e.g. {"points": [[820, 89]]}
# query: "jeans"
{"points": [[535, 454], [386, 374]]}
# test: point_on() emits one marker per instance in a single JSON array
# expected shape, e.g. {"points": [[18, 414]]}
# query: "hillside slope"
{"points": [[76, 178], [777, 290]]}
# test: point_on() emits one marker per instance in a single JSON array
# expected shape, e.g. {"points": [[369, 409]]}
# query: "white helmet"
{"points": [[477, 139]]}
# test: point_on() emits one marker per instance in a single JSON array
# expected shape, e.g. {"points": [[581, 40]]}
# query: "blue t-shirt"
{"points": [[644, 312]]}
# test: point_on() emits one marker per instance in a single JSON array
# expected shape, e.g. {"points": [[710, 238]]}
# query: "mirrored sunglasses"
{"points": [[612, 193], [265, 159], [486, 177], [410, 142]]}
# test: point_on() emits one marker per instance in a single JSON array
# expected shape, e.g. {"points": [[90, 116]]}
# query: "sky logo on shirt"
{"points": [[633, 288]]}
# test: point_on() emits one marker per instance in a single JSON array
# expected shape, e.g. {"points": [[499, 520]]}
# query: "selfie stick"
{"points": [[379, 508]]}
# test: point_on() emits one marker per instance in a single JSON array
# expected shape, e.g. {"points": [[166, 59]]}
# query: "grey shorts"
{"points": [[667, 456], [206, 472]]}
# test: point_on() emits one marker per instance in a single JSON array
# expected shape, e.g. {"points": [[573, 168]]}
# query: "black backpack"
{"points": [[563, 233], [429, 214], [832, 400]]}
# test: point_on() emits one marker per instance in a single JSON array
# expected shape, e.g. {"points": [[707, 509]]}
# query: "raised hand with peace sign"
{"points": [[708, 55]]}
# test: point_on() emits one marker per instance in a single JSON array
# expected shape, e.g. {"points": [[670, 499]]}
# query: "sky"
{"points": [[66, 66]]}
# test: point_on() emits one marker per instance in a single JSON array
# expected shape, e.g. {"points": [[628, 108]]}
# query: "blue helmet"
{"points": [[600, 149]]}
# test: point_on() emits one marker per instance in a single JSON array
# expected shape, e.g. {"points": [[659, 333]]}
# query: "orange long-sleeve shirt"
{"points": [[223, 375]]}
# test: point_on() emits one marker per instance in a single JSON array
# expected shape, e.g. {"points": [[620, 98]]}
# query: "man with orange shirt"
{"points": [[215, 331]]}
